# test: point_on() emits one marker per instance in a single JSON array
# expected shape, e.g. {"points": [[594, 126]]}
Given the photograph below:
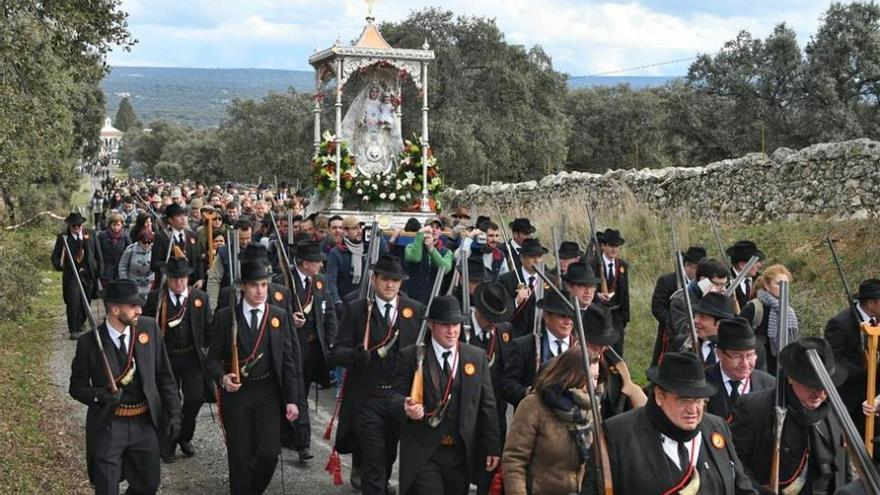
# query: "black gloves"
{"points": [[361, 356]]}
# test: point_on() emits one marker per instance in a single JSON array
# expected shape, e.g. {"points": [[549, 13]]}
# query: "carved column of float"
{"points": [[337, 197], [319, 96], [425, 205]]}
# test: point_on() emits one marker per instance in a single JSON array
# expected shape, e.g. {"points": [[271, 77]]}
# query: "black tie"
{"points": [[255, 315], [122, 354], [610, 271], [734, 390], [711, 358], [684, 460], [179, 301], [446, 368], [748, 287], [180, 239], [532, 282], [558, 347], [122, 347], [388, 315], [307, 285]]}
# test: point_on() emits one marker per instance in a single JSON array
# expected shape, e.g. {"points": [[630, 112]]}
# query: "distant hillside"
{"points": [[199, 97]]}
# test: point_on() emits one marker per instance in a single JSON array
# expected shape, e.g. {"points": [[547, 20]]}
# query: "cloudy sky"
{"points": [[583, 37]]}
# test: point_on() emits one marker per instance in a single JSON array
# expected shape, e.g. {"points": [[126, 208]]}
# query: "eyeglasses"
{"points": [[741, 356], [691, 401]]}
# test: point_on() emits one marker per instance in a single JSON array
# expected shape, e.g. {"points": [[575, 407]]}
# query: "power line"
{"points": [[649, 66]]}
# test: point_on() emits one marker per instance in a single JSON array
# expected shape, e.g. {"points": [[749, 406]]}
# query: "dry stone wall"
{"points": [[837, 180]]}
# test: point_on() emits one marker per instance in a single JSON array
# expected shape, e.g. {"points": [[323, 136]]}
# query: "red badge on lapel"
{"points": [[192, 240], [144, 338], [319, 284], [197, 303], [86, 236], [505, 337]]}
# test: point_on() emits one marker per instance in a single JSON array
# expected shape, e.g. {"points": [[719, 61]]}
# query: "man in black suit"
{"points": [[531, 255], [122, 428], [581, 282], [315, 321], [740, 254], [441, 437], [266, 385], [848, 343], [735, 375], [666, 286], [520, 230], [711, 276], [89, 261], [812, 455], [370, 336], [675, 445], [615, 273], [184, 316], [183, 243], [491, 332]]}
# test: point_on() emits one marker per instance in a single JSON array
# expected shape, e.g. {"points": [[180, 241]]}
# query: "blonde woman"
{"points": [[762, 311]]}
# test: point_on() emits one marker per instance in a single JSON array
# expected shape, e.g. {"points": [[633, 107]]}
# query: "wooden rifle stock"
{"points": [[872, 333], [209, 226], [234, 364], [111, 381], [417, 391]]}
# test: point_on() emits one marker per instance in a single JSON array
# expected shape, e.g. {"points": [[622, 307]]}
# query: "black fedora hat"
{"points": [[612, 237], [869, 289], [743, 251], [252, 271], [477, 270], [522, 225], [445, 309], [570, 249], [532, 247], [716, 304], [683, 374], [694, 254], [121, 292], [598, 327], [174, 209], [177, 268], [75, 218], [552, 303], [254, 252], [735, 334], [797, 366], [390, 267], [580, 273], [309, 251], [492, 301]]}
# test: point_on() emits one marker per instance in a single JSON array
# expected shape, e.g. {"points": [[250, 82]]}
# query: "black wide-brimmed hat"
{"points": [[445, 309], [309, 251], [796, 364], [683, 374], [532, 247], [580, 273], [477, 270], [492, 301], [715, 304], [735, 334], [390, 267], [743, 251], [694, 254], [75, 218], [522, 225], [177, 268], [121, 292], [611, 237], [552, 303], [570, 249], [252, 271], [254, 252], [869, 289], [174, 209], [598, 327]]}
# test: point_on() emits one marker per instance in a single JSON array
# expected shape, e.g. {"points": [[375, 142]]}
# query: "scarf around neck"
{"points": [[572, 408], [661, 422], [772, 302], [357, 259]]}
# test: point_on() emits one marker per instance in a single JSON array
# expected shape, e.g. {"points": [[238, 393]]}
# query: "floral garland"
{"points": [[324, 165], [410, 167], [382, 188]]}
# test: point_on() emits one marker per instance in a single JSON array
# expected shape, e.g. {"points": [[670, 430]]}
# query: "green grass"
{"points": [[816, 291]]}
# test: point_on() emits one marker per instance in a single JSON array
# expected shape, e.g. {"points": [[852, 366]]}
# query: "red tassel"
{"points": [[497, 486], [328, 432], [334, 467]]}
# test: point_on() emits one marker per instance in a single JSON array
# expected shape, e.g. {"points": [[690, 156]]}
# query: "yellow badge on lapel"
{"points": [[718, 440], [505, 337], [407, 313], [197, 303], [319, 284], [469, 369], [144, 338], [276, 323], [192, 240], [621, 270], [86, 236], [278, 296]]}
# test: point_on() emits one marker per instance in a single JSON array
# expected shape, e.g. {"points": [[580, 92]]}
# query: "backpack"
{"points": [[759, 313]]}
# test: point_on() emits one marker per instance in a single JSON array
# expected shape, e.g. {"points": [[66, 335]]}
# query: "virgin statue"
{"points": [[372, 131]]}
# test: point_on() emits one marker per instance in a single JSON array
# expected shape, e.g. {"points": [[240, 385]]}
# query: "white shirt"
{"points": [[552, 340], [526, 276], [393, 309], [303, 277], [864, 316], [183, 295], [706, 349], [608, 261], [114, 336], [742, 285], [670, 448], [745, 386], [439, 350], [247, 308], [478, 330], [176, 235]]}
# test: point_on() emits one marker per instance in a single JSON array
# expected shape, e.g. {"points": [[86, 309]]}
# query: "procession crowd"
{"points": [[433, 335]]}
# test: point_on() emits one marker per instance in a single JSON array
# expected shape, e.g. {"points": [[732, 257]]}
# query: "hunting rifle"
{"points": [[731, 287], [508, 250], [232, 247], [600, 456], [284, 263], [682, 274], [859, 456], [417, 390], [781, 385], [465, 291], [594, 252], [111, 381]]}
